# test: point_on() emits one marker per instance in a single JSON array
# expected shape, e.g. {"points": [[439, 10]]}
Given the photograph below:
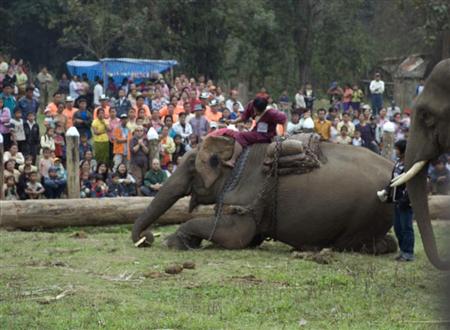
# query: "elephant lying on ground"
{"points": [[333, 206]]}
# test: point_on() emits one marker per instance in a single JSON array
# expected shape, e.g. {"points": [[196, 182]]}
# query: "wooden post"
{"points": [[153, 151], [388, 145], [1, 168], [73, 161]]}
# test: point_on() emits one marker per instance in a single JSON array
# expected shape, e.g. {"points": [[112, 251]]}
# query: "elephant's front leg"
{"points": [[232, 232]]}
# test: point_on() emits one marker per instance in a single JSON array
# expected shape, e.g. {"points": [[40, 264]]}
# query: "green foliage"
{"points": [[276, 44]]}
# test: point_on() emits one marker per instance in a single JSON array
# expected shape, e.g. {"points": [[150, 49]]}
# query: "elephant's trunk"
{"points": [[176, 187], [418, 196]]}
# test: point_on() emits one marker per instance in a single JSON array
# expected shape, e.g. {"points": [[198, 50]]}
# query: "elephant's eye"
{"points": [[427, 119]]}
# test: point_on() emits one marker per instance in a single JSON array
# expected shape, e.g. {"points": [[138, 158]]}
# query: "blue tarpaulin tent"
{"points": [[120, 68]]}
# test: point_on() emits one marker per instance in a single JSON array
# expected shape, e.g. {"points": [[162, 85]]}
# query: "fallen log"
{"points": [[53, 213]]}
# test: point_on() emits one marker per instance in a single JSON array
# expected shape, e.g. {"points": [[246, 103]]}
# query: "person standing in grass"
{"points": [[100, 137]]}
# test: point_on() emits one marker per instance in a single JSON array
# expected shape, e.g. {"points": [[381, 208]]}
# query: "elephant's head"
{"points": [[429, 137], [200, 174]]}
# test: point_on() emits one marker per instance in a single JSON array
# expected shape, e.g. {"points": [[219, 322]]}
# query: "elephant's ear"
{"points": [[213, 151]]}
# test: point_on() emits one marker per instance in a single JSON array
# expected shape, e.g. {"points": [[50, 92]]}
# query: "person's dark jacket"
{"points": [[32, 135], [85, 126], [123, 106]]}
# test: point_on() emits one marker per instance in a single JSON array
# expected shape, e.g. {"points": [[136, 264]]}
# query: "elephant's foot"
{"points": [[257, 241], [386, 244], [182, 241]]}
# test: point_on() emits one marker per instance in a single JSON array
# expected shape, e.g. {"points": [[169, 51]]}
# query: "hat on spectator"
{"points": [[52, 169], [198, 107], [204, 95], [214, 103], [213, 124], [366, 107], [407, 111], [82, 99], [69, 99], [103, 97], [123, 116]]}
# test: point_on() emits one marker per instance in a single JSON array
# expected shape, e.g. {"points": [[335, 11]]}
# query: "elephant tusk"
{"points": [[142, 240], [398, 177], [412, 172]]}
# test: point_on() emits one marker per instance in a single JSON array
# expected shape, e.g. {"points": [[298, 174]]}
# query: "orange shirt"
{"points": [[119, 148], [53, 108], [69, 115], [145, 107], [106, 112], [323, 128], [211, 116], [164, 111]]}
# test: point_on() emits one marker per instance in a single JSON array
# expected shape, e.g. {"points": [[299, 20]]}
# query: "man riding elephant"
{"points": [[265, 127]]}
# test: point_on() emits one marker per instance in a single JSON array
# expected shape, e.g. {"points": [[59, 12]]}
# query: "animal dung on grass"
{"points": [[188, 265], [173, 269]]}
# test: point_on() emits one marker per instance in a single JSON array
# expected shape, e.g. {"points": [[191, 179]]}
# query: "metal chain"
{"points": [[230, 184]]}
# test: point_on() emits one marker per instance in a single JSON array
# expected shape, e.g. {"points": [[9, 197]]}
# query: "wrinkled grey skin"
{"points": [[334, 206], [429, 137]]}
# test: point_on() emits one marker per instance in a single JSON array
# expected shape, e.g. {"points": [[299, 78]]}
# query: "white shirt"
{"points": [[294, 128], [73, 89], [18, 129], [229, 104], [376, 87], [98, 91], [300, 101], [185, 131]]}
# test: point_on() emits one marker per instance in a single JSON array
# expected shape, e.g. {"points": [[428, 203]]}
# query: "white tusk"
{"points": [[142, 240], [398, 177], [412, 172]]}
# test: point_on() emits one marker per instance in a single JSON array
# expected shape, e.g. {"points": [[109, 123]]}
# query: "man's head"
{"points": [[295, 117], [198, 108], [139, 131], [321, 113], [82, 104], [52, 172], [57, 97], [344, 131], [377, 76], [88, 155], [123, 119], [83, 138], [7, 90], [18, 114], [400, 148], [383, 112], [122, 93], [156, 165], [260, 104], [234, 94], [346, 117], [187, 107], [140, 101], [101, 113], [30, 117], [182, 117], [29, 92], [33, 177], [168, 121], [46, 152], [164, 131]]}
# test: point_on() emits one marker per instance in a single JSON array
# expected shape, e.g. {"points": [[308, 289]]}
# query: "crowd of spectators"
{"points": [[133, 135]]}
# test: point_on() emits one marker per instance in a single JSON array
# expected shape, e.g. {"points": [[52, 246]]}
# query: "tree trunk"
{"points": [[388, 145], [52, 213]]}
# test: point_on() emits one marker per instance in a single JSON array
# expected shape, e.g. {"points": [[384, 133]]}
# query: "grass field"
{"points": [[53, 280]]}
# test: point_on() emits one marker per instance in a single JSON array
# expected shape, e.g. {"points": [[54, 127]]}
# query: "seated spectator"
{"points": [[103, 170], [14, 154], [154, 179], [294, 126], [47, 140], [346, 121], [24, 178], [183, 128], [357, 140], [60, 171], [53, 185], [306, 122], [213, 114], [226, 118], [440, 178], [180, 149], [85, 168], [168, 121], [34, 188], [127, 180], [86, 184], [28, 165], [200, 125], [167, 146], [99, 188], [322, 126], [115, 188], [10, 169], [170, 169], [343, 137], [139, 148], [10, 189], [89, 156], [334, 133], [193, 142], [84, 146]]}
